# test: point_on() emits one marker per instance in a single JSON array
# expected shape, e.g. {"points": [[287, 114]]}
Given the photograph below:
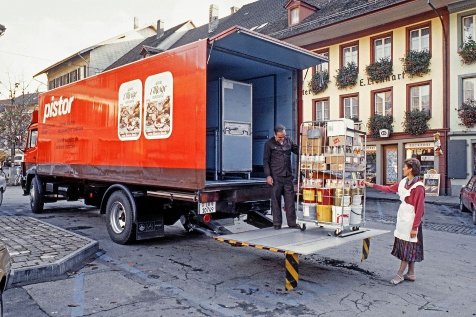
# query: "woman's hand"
{"points": [[369, 184], [413, 234]]}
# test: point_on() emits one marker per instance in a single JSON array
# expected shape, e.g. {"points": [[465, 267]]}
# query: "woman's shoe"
{"points": [[397, 279], [409, 277]]}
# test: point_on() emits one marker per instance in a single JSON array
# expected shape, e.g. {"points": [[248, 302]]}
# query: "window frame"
{"points": [[418, 27], [342, 107], [373, 93], [321, 51], [341, 51], [314, 108], [473, 15], [419, 84], [291, 10], [462, 88], [379, 37], [30, 138]]}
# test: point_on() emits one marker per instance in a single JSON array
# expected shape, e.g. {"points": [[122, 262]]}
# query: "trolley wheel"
{"points": [[356, 228], [337, 232], [303, 227]]}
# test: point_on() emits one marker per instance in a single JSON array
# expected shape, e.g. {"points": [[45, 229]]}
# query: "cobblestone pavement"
{"points": [[34, 244]]}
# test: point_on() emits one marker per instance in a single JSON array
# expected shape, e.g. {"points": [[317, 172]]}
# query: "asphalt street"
{"points": [[187, 274]]}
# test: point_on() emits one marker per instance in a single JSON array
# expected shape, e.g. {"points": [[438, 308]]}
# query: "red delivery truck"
{"points": [[176, 136]]}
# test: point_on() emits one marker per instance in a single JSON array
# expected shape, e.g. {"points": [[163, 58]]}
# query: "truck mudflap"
{"points": [[293, 243]]}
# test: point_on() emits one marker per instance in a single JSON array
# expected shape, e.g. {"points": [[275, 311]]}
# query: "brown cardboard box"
{"points": [[337, 167], [340, 140], [335, 159], [311, 146]]}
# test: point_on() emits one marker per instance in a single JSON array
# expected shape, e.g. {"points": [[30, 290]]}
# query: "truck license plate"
{"points": [[207, 208]]}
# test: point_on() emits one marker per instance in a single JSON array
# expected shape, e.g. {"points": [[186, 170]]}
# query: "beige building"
{"points": [[390, 33], [462, 81]]}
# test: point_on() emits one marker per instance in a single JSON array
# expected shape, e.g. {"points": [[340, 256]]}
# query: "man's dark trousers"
{"points": [[283, 186]]}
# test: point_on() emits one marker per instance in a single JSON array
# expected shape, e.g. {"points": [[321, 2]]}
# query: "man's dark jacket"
{"points": [[277, 157]]}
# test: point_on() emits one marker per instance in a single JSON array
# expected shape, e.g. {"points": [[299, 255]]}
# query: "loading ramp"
{"points": [[293, 243]]}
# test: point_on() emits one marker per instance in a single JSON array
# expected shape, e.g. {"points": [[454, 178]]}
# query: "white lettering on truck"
{"points": [[58, 107]]}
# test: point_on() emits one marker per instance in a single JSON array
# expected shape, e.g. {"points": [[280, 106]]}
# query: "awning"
{"points": [[252, 45]]}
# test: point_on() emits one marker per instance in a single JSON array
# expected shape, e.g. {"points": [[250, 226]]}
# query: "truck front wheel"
{"points": [[120, 220], [36, 196]]}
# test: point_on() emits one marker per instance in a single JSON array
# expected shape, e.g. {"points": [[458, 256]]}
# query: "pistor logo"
{"points": [[58, 107]]}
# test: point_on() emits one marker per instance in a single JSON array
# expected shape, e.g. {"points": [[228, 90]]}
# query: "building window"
{"points": [[321, 110], [383, 102], [350, 105], [350, 54], [294, 16], [468, 28], [322, 66], [51, 84], [419, 39], [420, 97], [468, 89], [382, 48]]}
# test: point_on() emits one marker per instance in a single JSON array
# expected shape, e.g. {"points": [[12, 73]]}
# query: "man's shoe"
{"points": [[277, 227], [295, 227]]}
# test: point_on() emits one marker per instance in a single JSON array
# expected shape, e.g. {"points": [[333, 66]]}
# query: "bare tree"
{"points": [[15, 115]]}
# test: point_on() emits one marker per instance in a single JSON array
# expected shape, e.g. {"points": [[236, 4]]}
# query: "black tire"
{"points": [[36, 196], [120, 218], [462, 208], [1, 197]]}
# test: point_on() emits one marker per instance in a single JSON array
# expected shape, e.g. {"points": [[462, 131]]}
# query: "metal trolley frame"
{"points": [[331, 176]]}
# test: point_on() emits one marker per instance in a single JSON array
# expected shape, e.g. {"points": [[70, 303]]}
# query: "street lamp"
{"points": [[2, 29]]}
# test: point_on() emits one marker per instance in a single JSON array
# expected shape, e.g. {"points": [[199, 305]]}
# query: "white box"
{"points": [[339, 127], [341, 214]]}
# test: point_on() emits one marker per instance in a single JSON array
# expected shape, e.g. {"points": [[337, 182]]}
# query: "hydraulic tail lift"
{"points": [[292, 243]]}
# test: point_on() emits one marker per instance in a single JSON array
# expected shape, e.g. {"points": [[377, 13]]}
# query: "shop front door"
{"points": [[390, 164]]}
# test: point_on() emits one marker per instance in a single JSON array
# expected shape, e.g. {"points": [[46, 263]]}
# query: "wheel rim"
{"points": [[118, 217]]}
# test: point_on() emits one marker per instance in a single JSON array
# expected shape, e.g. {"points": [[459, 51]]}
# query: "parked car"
{"points": [[467, 198], [18, 159], [5, 266]]}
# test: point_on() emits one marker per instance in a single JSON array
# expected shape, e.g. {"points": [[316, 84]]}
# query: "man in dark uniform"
{"points": [[277, 169]]}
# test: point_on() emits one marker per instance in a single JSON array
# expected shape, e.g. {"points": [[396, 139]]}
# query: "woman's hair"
{"points": [[414, 164]]}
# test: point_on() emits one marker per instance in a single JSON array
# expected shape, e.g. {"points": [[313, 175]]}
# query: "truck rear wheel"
{"points": [[120, 218], [36, 196]]}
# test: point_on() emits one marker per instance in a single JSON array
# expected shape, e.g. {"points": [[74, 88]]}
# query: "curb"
{"points": [[47, 272]]}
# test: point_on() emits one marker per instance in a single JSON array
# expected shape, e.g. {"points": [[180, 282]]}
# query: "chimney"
{"points": [[212, 18], [233, 9], [160, 28], [136, 23]]}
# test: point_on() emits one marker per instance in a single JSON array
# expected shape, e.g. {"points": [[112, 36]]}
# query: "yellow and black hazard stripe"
{"points": [[365, 249], [292, 270], [251, 245]]}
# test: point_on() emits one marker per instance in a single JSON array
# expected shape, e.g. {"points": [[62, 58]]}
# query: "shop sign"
{"points": [[427, 158], [384, 133], [422, 145], [393, 77], [432, 184], [371, 148]]}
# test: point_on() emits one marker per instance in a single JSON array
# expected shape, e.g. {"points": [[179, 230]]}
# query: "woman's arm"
{"points": [[386, 189], [418, 194]]}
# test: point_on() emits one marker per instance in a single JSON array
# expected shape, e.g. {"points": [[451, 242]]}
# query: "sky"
{"points": [[41, 33]]}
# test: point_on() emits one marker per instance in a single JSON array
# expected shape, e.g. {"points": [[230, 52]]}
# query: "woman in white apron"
{"points": [[408, 244]]}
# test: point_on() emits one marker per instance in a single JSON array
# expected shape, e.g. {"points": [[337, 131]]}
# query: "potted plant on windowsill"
{"points": [[416, 63], [380, 70], [467, 114], [347, 76], [416, 122], [379, 122], [319, 82], [467, 52]]}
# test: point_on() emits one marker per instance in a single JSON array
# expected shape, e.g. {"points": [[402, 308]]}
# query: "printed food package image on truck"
{"points": [[178, 136]]}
